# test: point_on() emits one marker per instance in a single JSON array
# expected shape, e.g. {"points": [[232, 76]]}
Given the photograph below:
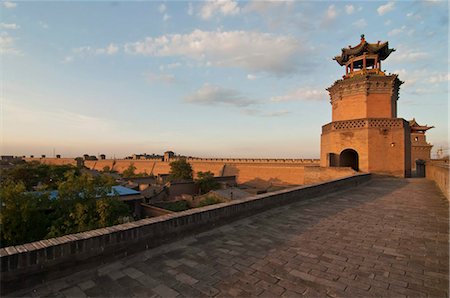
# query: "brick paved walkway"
{"points": [[386, 238]]}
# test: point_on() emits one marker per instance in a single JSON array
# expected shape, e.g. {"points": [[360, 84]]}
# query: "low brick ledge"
{"points": [[35, 262]]}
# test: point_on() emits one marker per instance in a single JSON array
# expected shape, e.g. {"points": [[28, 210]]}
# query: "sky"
{"points": [[204, 78]]}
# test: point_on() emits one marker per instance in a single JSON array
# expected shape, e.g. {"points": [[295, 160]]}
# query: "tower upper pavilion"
{"points": [[365, 91]]}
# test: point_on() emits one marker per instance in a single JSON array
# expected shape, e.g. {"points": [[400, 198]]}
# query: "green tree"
{"points": [[129, 172], [106, 169], [110, 211], [84, 203], [180, 170], [33, 174], [206, 182], [22, 215]]}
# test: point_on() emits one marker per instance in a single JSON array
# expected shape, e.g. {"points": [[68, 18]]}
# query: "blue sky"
{"points": [[214, 78]]}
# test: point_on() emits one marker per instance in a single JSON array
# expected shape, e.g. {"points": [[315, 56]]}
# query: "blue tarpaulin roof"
{"points": [[116, 190]]}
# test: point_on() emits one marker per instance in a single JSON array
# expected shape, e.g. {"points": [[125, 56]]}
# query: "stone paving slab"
{"points": [[388, 238]]}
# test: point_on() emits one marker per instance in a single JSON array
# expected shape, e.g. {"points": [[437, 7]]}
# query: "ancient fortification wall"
{"points": [[268, 171], [438, 171], [28, 264]]}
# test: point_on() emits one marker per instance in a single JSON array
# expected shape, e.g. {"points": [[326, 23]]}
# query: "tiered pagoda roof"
{"points": [[416, 127], [380, 48]]}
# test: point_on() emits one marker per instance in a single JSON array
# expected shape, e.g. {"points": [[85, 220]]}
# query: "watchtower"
{"points": [[365, 132]]}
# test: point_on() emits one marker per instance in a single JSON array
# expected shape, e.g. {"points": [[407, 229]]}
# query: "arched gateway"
{"points": [[349, 158]]}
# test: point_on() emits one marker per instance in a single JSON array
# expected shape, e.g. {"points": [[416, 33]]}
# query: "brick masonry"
{"points": [[32, 262], [388, 237]]}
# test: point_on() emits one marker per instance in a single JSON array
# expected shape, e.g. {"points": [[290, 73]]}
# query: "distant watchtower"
{"points": [[365, 132]]}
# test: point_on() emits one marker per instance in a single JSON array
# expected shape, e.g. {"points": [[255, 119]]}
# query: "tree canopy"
{"points": [[206, 182], [83, 202], [180, 170]]}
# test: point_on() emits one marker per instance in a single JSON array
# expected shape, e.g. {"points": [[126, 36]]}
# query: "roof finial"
{"points": [[362, 37]]}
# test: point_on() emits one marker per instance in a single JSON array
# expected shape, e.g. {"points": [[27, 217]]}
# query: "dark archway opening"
{"points": [[349, 158]]}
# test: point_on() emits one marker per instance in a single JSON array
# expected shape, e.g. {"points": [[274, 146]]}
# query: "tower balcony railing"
{"points": [[365, 123], [374, 71]]}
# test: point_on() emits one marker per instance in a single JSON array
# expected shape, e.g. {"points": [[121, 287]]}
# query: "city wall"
{"points": [[31, 263], [251, 171], [438, 171]]}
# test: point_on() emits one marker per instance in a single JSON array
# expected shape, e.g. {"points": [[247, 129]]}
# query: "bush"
{"points": [[206, 182], [209, 201], [177, 206]]}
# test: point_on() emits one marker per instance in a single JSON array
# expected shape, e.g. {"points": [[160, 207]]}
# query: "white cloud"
{"points": [[169, 66], [111, 49], [440, 78], [383, 9], [9, 4], [401, 30], [260, 113], [349, 9], [388, 22], [331, 13], [360, 24], [276, 113], [410, 78], [253, 51], [190, 10], [67, 59], [43, 25], [264, 7], [414, 16], [163, 78], [9, 26], [251, 77], [302, 94], [215, 95], [7, 44], [215, 7], [162, 8], [405, 54], [166, 17]]}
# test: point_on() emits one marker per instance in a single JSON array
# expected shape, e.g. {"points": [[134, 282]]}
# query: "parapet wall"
{"points": [[439, 173], [31, 263]]}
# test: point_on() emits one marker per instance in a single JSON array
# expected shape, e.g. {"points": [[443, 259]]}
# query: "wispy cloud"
{"points": [[84, 51], [402, 30], [439, 78], [302, 94], [43, 25], [9, 26], [384, 9], [330, 15], [162, 8], [111, 49], [406, 54], [349, 9], [160, 78], [253, 51], [190, 9], [360, 24], [7, 45], [9, 4], [219, 7], [261, 113], [215, 95]]}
